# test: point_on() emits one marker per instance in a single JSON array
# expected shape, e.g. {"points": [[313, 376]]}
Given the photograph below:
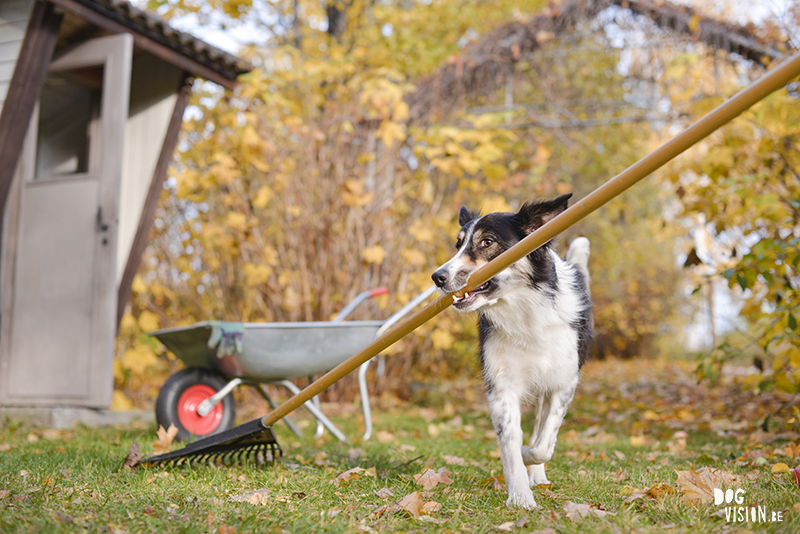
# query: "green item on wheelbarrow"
{"points": [[253, 438], [227, 337]]}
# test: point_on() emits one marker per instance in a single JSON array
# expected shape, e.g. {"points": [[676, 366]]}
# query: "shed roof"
{"points": [[154, 34]]}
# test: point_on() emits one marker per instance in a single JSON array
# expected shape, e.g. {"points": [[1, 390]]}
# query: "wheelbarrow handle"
{"points": [[361, 297]]}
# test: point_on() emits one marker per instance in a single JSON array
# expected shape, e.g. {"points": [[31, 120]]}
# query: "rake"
{"points": [[256, 441]]}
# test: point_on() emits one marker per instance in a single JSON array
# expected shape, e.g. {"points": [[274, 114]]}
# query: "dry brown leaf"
{"points": [[350, 474], [430, 507], [256, 497], [411, 503], [698, 486], [383, 493], [165, 438], [576, 510], [134, 455], [430, 478]]}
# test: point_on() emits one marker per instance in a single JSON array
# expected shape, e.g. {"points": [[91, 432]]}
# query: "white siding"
{"points": [[13, 21], [153, 91]]}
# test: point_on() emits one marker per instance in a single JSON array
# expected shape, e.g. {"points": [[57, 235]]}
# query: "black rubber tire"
{"points": [[174, 387]]}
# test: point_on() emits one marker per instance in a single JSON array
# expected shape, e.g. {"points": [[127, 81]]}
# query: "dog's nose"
{"points": [[440, 278]]}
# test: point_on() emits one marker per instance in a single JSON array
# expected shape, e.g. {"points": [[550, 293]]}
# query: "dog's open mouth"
{"points": [[469, 298]]}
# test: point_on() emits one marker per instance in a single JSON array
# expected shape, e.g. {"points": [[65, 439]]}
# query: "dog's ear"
{"points": [[532, 215], [466, 216]]}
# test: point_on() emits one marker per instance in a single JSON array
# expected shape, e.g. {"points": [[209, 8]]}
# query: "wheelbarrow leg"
{"points": [[273, 405], [315, 400], [314, 411], [362, 388]]}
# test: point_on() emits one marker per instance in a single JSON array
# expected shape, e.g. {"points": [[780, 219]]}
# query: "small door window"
{"points": [[69, 123]]}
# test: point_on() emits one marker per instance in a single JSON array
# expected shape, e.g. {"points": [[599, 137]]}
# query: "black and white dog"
{"points": [[535, 327]]}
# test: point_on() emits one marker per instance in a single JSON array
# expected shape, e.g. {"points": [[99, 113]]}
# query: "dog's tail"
{"points": [[578, 255]]}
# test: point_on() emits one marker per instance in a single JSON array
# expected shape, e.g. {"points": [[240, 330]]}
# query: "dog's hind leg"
{"points": [[536, 472], [544, 443], [507, 419]]}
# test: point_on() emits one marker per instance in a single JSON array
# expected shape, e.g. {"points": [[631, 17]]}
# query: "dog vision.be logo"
{"points": [[738, 512]]}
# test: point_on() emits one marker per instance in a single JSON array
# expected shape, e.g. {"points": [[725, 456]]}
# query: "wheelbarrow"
{"points": [[220, 356]]}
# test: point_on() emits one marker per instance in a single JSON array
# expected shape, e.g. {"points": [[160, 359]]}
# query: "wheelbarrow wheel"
{"points": [[180, 397]]}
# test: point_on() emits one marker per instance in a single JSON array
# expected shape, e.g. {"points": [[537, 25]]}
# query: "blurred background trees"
{"points": [[341, 162]]}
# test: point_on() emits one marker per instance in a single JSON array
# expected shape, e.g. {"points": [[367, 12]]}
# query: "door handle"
{"points": [[101, 226]]}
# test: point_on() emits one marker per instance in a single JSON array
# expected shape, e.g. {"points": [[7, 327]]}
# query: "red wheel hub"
{"points": [[187, 410]]}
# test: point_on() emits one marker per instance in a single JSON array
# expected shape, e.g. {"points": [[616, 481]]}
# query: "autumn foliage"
{"points": [[313, 182]]}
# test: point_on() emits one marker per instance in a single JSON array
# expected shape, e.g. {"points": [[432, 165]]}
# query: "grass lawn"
{"points": [[632, 428]]}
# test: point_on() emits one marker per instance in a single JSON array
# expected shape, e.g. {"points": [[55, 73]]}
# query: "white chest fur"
{"points": [[532, 347]]}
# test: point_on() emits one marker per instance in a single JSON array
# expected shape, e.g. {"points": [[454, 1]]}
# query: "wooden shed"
{"points": [[92, 94]]}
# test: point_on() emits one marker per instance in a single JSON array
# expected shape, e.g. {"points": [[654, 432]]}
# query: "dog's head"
{"points": [[483, 238]]}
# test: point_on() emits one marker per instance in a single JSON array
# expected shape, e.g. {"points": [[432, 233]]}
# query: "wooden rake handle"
{"points": [[773, 80]]}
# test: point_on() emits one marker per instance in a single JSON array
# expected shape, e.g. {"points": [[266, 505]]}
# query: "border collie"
{"points": [[535, 326]]}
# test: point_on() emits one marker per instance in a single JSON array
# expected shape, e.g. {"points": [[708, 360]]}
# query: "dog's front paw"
{"points": [[522, 500]]}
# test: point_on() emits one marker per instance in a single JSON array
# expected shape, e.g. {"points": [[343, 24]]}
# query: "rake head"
{"points": [[250, 442]]}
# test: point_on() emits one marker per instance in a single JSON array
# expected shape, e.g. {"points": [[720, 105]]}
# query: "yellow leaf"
{"points": [[256, 274], [139, 359], [374, 254], [138, 285], [264, 195], [128, 322], [494, 203], [694, 23], [780, 467], [400, 111], [638, 441], [414, 257], [120, 403], [390, 132], [421, 231], [148, 321], [236, 220], [650, 415], [442, 339]]}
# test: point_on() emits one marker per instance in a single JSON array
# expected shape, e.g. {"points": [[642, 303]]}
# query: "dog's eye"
{"points": [[486, 243], [458, 244]]}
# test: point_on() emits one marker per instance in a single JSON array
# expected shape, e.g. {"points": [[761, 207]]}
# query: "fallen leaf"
{"points": [[638, 441], [430, 507], [453, 460], [350, 474], [256, 497], [430, 478], [698, 486], [496, 482], [332, 512], [384, 493], [411, 503], [576, 510], [134, 455], [508, 526], [165, 438], [384, 437], [780, 467], [660, 490]]}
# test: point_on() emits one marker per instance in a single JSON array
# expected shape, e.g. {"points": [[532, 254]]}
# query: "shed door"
{"points": [[64, 293]]}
